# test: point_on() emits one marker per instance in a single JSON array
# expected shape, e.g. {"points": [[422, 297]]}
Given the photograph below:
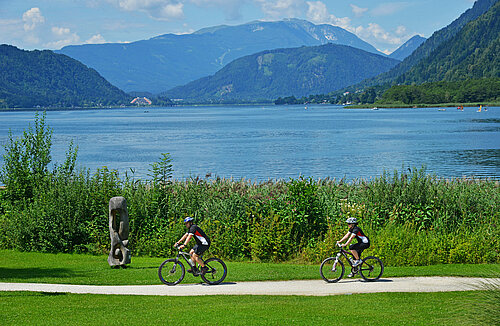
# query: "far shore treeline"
{"points": [[411, 217], [463, 92]]}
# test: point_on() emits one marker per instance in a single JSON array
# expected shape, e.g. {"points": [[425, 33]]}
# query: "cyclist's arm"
{"points": [[350, 239], [189, 236], [186, 236], [345, 237], [181, 239]]}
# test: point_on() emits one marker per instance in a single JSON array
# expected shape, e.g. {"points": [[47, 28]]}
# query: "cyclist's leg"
{"points": [[355, 250], [198, 252]]}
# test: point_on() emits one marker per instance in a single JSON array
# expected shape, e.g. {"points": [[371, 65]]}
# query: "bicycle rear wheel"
{"points": [[171, 272], [216, 273], [371, 269], [330, 271]]}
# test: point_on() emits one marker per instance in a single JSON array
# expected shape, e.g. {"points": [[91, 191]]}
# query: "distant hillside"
{"points": [[43, 78], [284, 72], [406, 49], [474, 52], [169, 60], [464, 91], [431, 44]]}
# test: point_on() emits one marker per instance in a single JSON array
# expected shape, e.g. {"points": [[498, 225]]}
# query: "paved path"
{"points": [[306, 287]]}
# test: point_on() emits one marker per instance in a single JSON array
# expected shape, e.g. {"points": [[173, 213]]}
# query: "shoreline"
{"points": [[421, 106]]}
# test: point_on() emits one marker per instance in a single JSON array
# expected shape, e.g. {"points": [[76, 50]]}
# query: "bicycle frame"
{"points": [[344, 253], [186, 257]]}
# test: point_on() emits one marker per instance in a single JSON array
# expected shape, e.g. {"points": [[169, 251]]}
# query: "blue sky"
{"points": [[52, 24]]}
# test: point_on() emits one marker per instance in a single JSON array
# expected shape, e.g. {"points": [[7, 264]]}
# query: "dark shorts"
{"points": [[359, 247], [200, 249]]}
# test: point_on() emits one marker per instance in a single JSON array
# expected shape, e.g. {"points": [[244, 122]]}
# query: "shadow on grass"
{"points": [[6, 294], [142, 267], [36, 273]]}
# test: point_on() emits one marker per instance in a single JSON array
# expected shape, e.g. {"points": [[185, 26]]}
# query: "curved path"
{"points": [[305, 287]]}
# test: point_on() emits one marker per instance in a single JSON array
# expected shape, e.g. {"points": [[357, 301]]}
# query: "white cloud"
{"points": [[318, 13], [96, 39], [156, 9], [358, 11], [60, 31], [376, 32], [401, 30], [231, 8], [61, 37], [275, 9], [373, 33], [32, 18], [386, 9]]}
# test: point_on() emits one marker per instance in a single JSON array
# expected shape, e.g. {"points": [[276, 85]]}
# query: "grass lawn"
{"points": [[448, 308], [94, 270]]}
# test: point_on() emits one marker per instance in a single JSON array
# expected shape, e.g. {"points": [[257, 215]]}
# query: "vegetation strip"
{"points": [[445, 308], [412, 218]]}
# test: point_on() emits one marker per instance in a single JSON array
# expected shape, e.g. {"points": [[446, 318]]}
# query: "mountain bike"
{"points": [[172, 271], [332, 268]]}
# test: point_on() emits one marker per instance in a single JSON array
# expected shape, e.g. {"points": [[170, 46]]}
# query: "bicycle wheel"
{"points": [[330, 271], [216, 273], [371, 269], [171, 272]]}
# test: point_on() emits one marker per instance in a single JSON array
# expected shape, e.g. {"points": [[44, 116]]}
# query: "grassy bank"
{"points": [[449, 308]]}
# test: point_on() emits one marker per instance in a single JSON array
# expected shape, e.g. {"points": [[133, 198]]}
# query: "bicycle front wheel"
{"points": [[216, 273], [332, 270], [371, 269], [171, 272]]}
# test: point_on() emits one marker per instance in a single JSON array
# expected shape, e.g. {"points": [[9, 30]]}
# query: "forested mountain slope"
{"points": [[283, 72], [472, 53], [44, 78], [431, 44]]}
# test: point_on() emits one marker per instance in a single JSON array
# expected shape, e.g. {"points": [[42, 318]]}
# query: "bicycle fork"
{"points": [[334, 267]]}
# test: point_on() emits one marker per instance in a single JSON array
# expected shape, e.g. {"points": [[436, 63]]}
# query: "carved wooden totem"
{"points": [[119, 254]]}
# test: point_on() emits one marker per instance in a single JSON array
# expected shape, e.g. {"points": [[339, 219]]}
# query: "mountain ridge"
{"points": [[407, 48], [270, 74], [425, 49], [43, 78], [170, 60]]}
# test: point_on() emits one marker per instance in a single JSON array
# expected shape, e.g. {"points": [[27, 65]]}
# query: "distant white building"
{"points": [[141, 101]]}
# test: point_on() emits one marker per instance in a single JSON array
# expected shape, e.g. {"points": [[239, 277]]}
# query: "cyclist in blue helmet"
{"points": [[202, 242], [363, 241]]}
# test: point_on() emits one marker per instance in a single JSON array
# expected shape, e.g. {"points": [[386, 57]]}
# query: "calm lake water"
{"points": [[275, 142]]}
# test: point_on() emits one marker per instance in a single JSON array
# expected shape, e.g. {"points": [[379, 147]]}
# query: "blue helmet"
{"points": [[188, 219]]}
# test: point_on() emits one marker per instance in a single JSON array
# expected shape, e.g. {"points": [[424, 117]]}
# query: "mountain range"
{"points": [[474, 52], [407, 48], [426, 48], [299, 72], [44, 78], [170, 60], [468, 48]]}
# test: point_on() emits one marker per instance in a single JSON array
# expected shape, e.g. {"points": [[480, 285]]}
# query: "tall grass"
{"points": [[411, 217], [411, 220]]}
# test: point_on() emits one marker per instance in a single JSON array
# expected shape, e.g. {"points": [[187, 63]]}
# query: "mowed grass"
{"points": [[447, 308], [94, 270]]}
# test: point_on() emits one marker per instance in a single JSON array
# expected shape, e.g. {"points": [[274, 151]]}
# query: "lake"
{"points": [[275, 142]]}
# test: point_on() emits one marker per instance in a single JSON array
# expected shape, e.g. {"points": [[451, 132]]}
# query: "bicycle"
{"points": [[172, 271], [332, 268]]}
